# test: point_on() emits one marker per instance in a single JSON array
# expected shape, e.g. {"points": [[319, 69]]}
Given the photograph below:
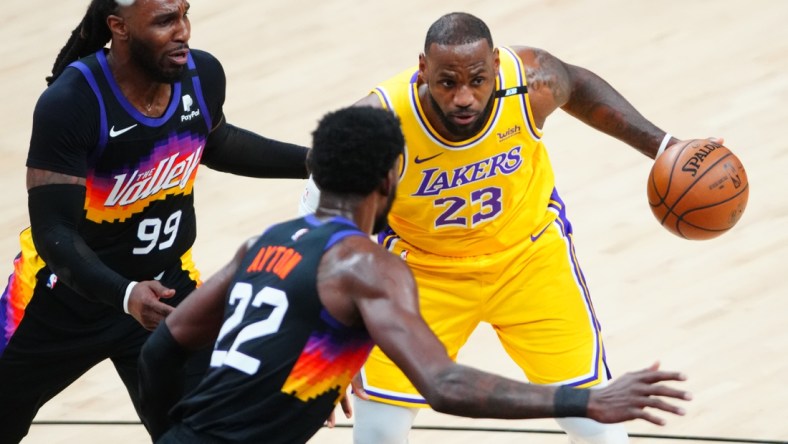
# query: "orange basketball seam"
{"points": [[670, 182], [680, 218], [670, 177], [692, 184]]}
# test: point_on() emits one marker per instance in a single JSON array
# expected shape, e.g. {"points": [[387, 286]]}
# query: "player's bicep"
{"points": [[391, 315]]}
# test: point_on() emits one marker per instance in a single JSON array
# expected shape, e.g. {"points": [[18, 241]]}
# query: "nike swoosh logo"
{"points": [[539, 234], [417, 160], [113, 133]]}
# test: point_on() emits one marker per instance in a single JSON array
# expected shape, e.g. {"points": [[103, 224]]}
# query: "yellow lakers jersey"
{"points": [[476, 196]]}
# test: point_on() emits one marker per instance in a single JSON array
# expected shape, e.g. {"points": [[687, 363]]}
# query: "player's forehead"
{"points": [[158, 8], [467, 57]]}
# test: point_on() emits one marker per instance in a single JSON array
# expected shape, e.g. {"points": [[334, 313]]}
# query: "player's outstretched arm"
{"points": [[384, 293], [239, 151]]}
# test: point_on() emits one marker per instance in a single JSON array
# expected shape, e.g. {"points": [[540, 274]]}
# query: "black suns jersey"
{"points": [[281, 361], [139, 170]]}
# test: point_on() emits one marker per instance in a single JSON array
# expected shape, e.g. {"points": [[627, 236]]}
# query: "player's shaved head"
{"points": [[457, 28]]}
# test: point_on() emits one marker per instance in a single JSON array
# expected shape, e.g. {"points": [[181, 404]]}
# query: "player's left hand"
{"points": [[145, 303], [628, 397], [346, 408]]}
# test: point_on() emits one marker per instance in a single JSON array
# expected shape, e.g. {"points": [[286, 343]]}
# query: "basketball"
{"points": [[698, 189]]}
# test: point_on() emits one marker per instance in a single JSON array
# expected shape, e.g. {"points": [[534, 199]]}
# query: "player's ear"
{"points": [[117, 25], [385, 186], [496, 59], [388, 185], [422, 67]]}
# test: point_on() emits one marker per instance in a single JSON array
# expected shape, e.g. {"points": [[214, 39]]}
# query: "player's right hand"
{"points": [[145, 306], [357, 387], [628, 396]]}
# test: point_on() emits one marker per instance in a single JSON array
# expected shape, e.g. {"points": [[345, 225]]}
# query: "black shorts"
{"points": [[182, 434]]}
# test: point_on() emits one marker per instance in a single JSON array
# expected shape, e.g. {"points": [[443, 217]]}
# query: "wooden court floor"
{"points": [[715, 309]]}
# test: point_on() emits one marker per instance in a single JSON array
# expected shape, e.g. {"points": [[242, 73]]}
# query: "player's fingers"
{"points": [[665, 406], [166, 293], [346, 407], [669, 392], [156, 314], [646, 416], [652, 377], [719, 140], [331, 421], [164, 310], [358, 388], [160, 290]]}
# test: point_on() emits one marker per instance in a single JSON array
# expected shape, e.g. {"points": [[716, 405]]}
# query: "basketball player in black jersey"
{"points": [[117, 139], [294, 315]]}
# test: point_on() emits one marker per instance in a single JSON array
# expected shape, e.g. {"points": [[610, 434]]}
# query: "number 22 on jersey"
{"points": [[241, 297]]}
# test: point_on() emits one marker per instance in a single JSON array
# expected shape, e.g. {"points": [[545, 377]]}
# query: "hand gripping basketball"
{"points": [[698, 189]]}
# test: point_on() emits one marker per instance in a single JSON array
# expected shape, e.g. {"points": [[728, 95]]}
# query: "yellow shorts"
{"points": [[534, 296]]}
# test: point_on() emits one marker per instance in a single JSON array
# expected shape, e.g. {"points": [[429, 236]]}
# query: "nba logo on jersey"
{"points": [[52, 281], [299, 233], [187, 103]]}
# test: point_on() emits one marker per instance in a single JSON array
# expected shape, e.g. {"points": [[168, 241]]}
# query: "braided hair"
{"points": [[89, 36]]}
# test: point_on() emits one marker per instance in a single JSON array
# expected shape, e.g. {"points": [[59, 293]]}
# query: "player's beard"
{"points": [[382, 221], [467, 131], [145, 56]]}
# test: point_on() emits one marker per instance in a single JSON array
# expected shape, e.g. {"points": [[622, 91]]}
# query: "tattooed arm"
{"points": [[584, 95]]}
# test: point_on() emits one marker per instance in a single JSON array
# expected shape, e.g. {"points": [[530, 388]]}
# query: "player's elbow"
{"points": [[447, 392]]}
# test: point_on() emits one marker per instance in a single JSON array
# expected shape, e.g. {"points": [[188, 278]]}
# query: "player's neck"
{"points": [[351, 208], [147, 95]]}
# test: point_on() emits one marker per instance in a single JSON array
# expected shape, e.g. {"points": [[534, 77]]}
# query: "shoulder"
{"points": [[66, 125], [69, 105], [212, 79], [210, 70], [360, 262], [358, 276], [69, 91], [538, 58], [206, 62], [201, 56], [549, 81]]}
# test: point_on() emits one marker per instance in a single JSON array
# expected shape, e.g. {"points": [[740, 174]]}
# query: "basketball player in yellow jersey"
{"points": [[479, 221]]}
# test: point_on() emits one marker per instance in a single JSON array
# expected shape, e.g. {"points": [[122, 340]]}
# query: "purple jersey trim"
{"points": [[395, 398], [523, 97], [133, 112], [103, 131], [198, 90]]}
